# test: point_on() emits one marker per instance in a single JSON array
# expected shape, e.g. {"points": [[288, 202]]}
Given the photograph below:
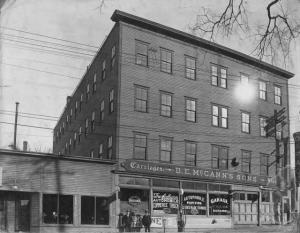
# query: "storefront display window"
{"points": [[166, 183], [57, 209], [165, 202], [134, 181], [94, 210], [194, 203], [194, 185], [134, 200], [219, 204]]}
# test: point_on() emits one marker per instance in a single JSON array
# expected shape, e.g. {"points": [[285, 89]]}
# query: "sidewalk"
{"points": [[250, 228]]}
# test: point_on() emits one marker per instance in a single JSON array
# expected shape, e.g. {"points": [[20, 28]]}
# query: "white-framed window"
{"points": [[166, 60], [190, 153], [165, 104], [277, 95], [80, 102], [113, 56], [245, 122], [140, 146], [103, 73], [244, 79], [109, 147], [246, 161], [95, 83], [262, 90], [165, 149], [100, 151], [76, 109], [111, 101], [190, 109], [79, 134], [102, 111], [141, 98], [75, 140], [141, 53], [219, 116], [190, 67], [93, 125], [262, 125], [219, 157], [87, 92], [86, 128], [218, 76]]}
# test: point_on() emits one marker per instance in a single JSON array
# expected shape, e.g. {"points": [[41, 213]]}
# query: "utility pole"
{"points": [[16, 124]]}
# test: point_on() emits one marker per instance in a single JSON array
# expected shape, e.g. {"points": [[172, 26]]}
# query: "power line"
{"points": [[46, 36]]}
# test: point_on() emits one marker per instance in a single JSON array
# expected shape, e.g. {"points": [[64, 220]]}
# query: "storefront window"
{"points": [[134, 200], [166, 183], [219, 204], [239, 196], [194, 185], [94, 210], [133, 181], [165, 202], [252, 197], [194, 203], [218, 187], [57, 209]]}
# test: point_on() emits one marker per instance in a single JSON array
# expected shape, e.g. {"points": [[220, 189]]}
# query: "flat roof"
{"points": [[183, 36]]}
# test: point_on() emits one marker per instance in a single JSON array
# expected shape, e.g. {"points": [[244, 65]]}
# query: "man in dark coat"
{"points": [[126, 220], [146, 221]]}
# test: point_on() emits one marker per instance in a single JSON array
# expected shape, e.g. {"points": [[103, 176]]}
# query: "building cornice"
{"points": [[183, 36]]}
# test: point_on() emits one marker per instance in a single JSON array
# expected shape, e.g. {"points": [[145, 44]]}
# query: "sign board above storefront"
{"points": [[171, 170]]}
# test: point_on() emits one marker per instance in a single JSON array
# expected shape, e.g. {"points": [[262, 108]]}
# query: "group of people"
{"points": [[131, 222]]}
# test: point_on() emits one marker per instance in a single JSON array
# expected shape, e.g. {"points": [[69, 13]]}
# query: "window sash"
{"points": [[277, 95], [166, 105], [219, 157], [262, 125], [190, 68], [246, 161], [141, 53], [264, 163], [103, 73], [190, 153], [166, 61], [262, 90], [141, 99], [165, 149], [245, 122], [140, 146], [218, 76], [190, 110]]}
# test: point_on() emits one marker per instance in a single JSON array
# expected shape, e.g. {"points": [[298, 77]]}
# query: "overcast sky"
{"points": [[40, 77]]}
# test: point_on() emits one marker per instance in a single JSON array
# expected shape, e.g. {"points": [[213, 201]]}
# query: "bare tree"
{"points": [[272, 38]]}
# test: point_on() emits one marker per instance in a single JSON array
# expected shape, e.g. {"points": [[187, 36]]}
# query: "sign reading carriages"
{"points": [[177, 171]]}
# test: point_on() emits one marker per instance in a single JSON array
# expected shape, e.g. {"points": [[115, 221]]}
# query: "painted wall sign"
{"points": [[198, 173], [194, 203], [165, 202], [219, 204]]}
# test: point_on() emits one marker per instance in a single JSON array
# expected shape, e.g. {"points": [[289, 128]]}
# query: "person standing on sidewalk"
{"points": [[146, 221]]}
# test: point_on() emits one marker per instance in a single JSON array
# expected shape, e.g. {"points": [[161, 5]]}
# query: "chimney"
{"points": [[25, 144]]}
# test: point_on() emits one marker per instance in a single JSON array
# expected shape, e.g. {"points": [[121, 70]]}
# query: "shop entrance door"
{"points": [[14, 212], [245, 208]]}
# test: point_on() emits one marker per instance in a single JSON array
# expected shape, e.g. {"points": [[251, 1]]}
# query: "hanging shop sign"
{"points": [[219, 204], [197, 173], [165, 202], [194, 203]]}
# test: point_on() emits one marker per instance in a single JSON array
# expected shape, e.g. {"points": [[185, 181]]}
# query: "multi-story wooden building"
{"points": [[161, 104]]}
